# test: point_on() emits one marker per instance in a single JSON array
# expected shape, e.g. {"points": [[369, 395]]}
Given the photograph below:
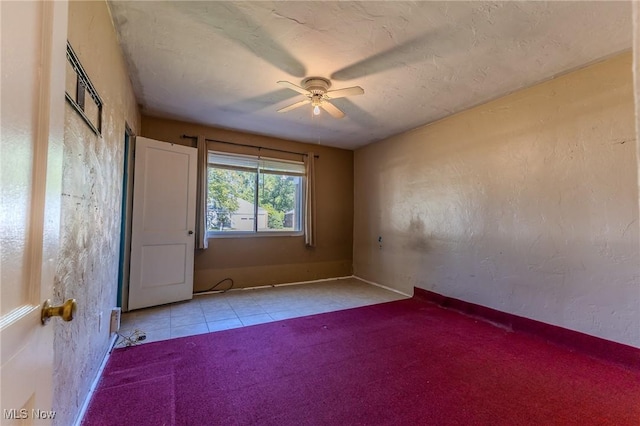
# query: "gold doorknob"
{"points": [[65, 311]]}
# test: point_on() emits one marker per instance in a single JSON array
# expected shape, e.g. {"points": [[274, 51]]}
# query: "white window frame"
{"points": [[252, 163]]}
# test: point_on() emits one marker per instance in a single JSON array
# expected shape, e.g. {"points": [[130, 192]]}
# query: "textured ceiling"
{"points": [[217, 63]]}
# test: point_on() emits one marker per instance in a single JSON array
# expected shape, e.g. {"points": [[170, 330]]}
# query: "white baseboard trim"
{"points": [[313, 281], [381, 286], [306, 282], [273, 285], [94, 384]]}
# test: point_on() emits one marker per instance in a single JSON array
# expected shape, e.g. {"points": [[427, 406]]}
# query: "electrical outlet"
{"points": [[116, 314]]}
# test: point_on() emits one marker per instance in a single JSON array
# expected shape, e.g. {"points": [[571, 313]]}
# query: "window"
{"points": [[247, 194]]}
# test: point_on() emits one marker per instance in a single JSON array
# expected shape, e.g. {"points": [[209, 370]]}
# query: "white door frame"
{"points": [[126, 214]]}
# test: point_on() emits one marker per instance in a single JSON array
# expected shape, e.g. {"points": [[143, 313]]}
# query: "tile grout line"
{"points": [[325, 300]]}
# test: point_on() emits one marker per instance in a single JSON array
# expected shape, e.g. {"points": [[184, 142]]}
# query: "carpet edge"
{"points": [[596, 347]]}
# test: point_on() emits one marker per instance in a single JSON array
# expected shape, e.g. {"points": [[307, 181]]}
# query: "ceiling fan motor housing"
{"points": [[316, 85]]}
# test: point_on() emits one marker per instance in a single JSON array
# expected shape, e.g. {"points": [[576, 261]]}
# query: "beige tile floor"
{"points": [[241, 308]]}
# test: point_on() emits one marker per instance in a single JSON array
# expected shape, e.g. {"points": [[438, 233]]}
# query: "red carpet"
{"points": [[401, 363]]}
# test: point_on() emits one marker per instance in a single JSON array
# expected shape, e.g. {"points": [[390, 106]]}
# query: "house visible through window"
{"points": [[247, 194]]}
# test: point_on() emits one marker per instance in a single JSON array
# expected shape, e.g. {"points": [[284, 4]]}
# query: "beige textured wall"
{"points": [[92, 183], [264, 260], [636, 73], [527, 204]]}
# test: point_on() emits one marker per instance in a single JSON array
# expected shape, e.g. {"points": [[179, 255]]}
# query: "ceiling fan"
{"points": [[316, 90]]}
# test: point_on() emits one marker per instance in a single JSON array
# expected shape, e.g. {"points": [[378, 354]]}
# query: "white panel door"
{"points": [[33, 37], [163, 220]]}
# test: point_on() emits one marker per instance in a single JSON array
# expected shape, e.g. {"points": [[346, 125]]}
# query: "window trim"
{"points": [[300, 200]]}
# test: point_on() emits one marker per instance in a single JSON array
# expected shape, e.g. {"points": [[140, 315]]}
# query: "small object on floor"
{"points": [[132, 339]]}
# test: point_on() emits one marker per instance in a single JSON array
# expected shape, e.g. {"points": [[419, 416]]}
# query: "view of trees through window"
{"points": [[232, 200]]}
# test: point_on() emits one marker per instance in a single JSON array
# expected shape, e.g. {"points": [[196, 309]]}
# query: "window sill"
{"points": [[231, 234]]}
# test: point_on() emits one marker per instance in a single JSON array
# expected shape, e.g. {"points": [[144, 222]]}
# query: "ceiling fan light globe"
{"points": [[316, 110]]}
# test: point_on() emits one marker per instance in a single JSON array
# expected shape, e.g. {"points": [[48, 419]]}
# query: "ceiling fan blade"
{"points": [[294, 87], [296, 105], [341, 93], [331, 109]]}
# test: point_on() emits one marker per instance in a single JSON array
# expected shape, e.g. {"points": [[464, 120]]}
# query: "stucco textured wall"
{"points": [[91, 192], [636, 71], [527, 204]]}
